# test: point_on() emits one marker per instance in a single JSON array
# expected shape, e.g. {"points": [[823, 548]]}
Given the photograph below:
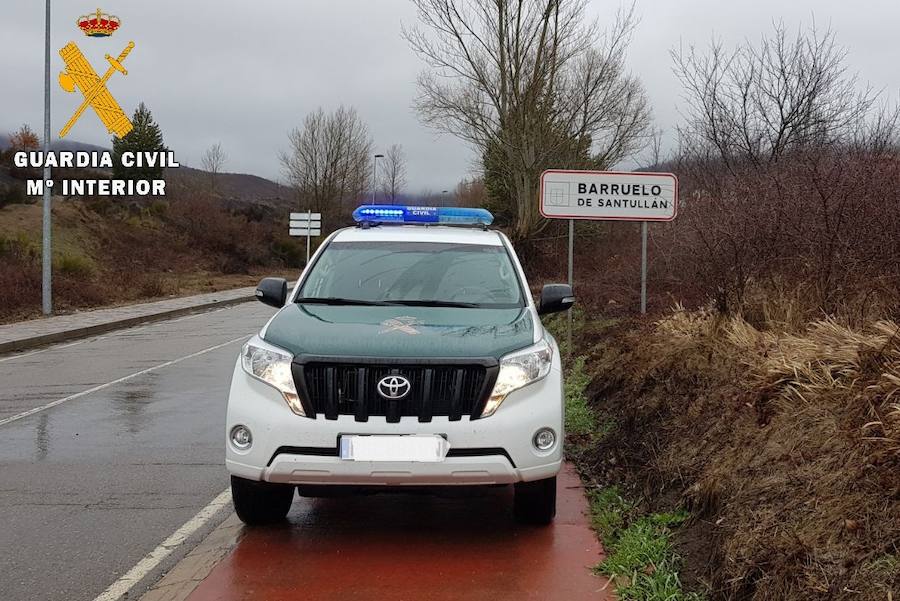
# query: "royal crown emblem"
{"points": [[99, 24]]}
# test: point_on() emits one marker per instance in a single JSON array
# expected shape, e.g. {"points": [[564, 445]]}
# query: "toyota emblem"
{"points": [[394, 388]]}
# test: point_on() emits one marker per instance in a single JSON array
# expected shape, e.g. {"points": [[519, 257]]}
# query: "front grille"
{"points": [[333, 389]]}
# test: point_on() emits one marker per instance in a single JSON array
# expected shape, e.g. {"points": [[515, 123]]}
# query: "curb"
{"points": [[181, 580], [100, 328]]}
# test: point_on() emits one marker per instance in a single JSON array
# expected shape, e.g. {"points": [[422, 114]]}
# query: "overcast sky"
{"points": [[244, 73]]}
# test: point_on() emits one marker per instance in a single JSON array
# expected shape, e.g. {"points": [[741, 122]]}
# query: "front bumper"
{"points": [[496, 450]]}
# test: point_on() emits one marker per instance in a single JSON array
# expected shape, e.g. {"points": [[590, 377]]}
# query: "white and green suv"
{"points": [[410, 353]]}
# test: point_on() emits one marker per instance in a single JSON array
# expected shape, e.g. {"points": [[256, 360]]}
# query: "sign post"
{"points": [[306, 224], [609, 196], [46, 229], [643, 267], [571, 280]]}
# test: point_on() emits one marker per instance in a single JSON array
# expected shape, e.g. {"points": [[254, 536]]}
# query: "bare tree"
{"points": [[786, 159], [393, 172], [213, 160], [655, 148], [534, 83], [471, 193], [24, 138], [757, 102], [328, 162]]}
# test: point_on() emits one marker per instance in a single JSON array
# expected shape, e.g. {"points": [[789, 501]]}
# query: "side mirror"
{"points": [[272, 291], [555, 298]]}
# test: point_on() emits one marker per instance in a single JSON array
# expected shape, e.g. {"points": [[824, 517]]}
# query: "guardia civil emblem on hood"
{"points": [[401, 324]]}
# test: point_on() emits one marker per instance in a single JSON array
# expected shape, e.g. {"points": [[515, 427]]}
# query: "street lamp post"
{"points": [[375, 176], [46, 259], [444, 198]]}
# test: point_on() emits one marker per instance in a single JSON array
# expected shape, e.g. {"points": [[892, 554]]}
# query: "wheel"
{"points": [[535, 502], [260, 502]]}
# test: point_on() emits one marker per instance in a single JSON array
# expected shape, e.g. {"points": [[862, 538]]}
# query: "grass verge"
{"points": [[641, 561], [782, 442]]}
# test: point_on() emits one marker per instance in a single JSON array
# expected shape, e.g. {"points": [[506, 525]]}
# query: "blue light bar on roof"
{"points": [[438, 215]]}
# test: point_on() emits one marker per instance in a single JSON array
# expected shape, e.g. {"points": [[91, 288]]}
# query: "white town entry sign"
{"points": [[609, 195]]}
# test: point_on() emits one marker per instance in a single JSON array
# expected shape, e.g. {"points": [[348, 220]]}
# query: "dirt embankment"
{"points": [[785, 448], [107, 253]]}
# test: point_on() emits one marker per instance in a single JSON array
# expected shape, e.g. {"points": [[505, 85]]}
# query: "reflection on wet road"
{"points": [[462, 545], [116, 441]]}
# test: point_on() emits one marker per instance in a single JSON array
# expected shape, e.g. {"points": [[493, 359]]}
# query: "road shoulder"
{"points": [[187, 574]]}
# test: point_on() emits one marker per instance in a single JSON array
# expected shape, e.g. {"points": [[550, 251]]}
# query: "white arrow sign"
{"points": [[306, 216], [303, 231], [306, 224]]}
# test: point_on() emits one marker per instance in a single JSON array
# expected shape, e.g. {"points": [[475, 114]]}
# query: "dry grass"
{"points": [[785, 443], [131, 253]]}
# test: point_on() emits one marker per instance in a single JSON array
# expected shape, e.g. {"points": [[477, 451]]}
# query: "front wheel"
{"points": [[535, 502], [260, 502]]}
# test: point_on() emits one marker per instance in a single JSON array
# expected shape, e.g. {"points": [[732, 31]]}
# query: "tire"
{"points": [[535, 502], [258, 503]]}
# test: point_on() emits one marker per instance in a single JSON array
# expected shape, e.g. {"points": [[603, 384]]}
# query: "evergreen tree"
{"points": [[145, 137]]}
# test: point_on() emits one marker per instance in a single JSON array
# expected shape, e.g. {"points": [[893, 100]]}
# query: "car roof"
{"points": [[420, 233]]}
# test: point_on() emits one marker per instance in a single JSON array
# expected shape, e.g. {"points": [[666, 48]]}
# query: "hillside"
{"points": [[116, 250], [236, 187], [73, 145]]}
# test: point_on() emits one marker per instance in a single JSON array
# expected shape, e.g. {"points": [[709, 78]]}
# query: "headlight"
{"points": [[274, 368], [517, 370]]}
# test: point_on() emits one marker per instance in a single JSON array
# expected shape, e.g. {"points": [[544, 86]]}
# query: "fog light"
{"points": [[241, 438], [544, 439]]}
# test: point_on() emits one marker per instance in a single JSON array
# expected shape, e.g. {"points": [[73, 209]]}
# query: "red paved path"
{"points": [[411, 547]]}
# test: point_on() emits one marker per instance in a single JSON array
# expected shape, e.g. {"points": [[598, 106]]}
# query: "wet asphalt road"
{"points": [[458, 546], [91, 485]]}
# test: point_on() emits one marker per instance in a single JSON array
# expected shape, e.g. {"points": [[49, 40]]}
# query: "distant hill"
{"points": [[73, 145], [237, 188]]}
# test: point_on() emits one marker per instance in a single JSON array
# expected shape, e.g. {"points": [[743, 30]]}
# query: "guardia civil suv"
{"points": [[410, 353]]}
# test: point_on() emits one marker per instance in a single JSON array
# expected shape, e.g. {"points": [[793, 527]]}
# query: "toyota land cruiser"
{"points": [[409, 353]]}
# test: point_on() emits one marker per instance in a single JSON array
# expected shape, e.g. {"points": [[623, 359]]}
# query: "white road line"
{"points": [[150, 561], [114, 333], [78, 395]]}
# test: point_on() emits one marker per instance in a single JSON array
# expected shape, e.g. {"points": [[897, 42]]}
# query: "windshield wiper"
{"points": [[432, 303], [334, 300]]}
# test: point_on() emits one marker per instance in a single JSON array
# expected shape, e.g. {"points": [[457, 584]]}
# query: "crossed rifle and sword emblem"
{"points": [[403, 324], [79, 74]]}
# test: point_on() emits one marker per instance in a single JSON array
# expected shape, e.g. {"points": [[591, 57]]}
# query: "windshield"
{"points": [[418, 273]]}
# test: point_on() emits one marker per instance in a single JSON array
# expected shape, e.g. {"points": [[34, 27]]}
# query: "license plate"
{"points": [[416, 448]]}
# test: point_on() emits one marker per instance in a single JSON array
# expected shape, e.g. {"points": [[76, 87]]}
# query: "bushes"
{"points": [[784, 444], [76, 266], [824, 221], [207, 225], [13, 194], [158, 208], [290, 252], [20, 284], [788, 169], [109, 252], [154, 285], [18, 248]]}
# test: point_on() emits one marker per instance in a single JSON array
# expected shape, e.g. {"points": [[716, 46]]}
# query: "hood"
{"points": [[354, 331]]}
